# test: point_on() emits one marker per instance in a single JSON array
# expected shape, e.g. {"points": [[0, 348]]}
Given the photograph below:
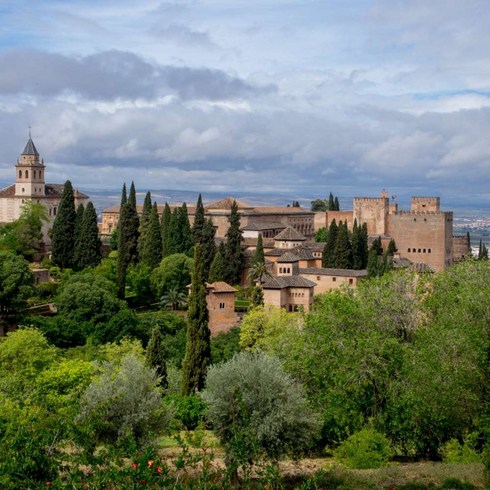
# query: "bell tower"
{"points": [[29, 173]]}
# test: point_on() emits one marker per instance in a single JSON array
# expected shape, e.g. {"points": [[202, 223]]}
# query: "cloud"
{"points": [[183, 36], [112, 75]]}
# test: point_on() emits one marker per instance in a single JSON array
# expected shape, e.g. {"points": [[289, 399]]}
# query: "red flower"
{"points": [[159, 470], [49, 484], [134, 465], [150, 463]]}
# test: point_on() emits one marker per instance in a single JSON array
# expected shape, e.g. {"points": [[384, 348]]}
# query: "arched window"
{"points": [[20, 174], [27, 174]]}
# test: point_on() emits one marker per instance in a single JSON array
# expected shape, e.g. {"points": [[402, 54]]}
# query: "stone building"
{"points": [[423, 235], [220, 299], [30, 186], [254, 220]]}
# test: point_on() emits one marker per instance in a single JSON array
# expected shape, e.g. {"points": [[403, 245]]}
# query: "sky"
{"points": [[301, 97]]}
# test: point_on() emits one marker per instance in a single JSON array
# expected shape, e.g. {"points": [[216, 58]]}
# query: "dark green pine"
{"points": [[131, 233], [343, 249], [336, 204], [331, 202], [198, 342], [88, 251], [234, 257], [217, 269], [63, 233], [155, 356], [328, 258], [363, 246], [376, 245], [151, 254], [124, 195], [165, 229], [78, 229], [357, 253], [208, 246], [199, 221], [391, 250]]}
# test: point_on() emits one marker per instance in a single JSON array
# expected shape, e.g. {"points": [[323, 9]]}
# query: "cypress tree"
{"points": [[173, 233], [257, 296], [328, 259], [373, 264], [199, 221], [336, 204], [78, 230], [186, 241], [198, 342], [391, 250], [124, 196], [145, 218], [132, 223], [155, 356], [63, 237], [88, 252], [343, 250], [363, 247], [259, 256], [357, 253], [165, 229], [234, 257], [331, 203], [151, 254], [376, 245], [217, 269], [208, 246]]}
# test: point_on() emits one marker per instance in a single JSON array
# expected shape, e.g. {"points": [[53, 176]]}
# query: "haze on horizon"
{"points": [[290, 96]]}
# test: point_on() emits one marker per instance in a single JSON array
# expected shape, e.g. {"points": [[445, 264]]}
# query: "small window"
{"points": [[415, 219], [351, 281], [424, 250], [334, 279], [23, 190], [419, 250], [318, 278], [221, 305], [20, 174], [27, 174], [429, 250], [409, 250], [54, 211]]}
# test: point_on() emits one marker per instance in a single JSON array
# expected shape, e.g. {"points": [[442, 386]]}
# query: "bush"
{"points": [[455, 452], [189, 409], [257, 411], [364, 449]]}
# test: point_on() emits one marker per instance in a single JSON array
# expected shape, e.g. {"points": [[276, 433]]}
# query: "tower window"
{"points": [[20, 174], [27, 174]]}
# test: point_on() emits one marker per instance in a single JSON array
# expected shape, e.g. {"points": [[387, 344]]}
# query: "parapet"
{"points": [[426, 204]]}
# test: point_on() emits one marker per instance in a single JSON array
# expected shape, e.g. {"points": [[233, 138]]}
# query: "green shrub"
{"points": [[455, 452], [364, 449], [189, 409]]}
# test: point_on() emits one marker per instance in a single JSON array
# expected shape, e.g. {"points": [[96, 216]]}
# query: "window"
{"points": [[221, 305], [27, 174], [334, 279], [351, 281], [408, 250], [54, 211], [318, 278], [20, 174], [23, 190], [429, 250], [419, 250], [424, 250]]}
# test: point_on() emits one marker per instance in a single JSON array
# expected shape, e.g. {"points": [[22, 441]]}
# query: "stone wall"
{"points": [[374, 212]]}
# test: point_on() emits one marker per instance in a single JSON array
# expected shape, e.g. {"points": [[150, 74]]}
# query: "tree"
{"points": [[165, 229], [357, 247], [155, 356], [234, 257], [257, 272], [132, 224], [15, 287], [174, 272], [328, 259], [259, 256], [199, 221], [319, 205], [343, 249], [321, 235], [151, 252], [145, 218], [391, 250], [482, 251], [198, 343], [87, 252], [63, 235], [186, 241], [331, 202], [217, 269], [24, 236], [124, 404], [173, 298], [336, 204], [257, 411], [208, 246], [257, 296]]}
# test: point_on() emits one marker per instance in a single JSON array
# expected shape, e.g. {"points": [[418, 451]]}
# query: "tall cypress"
{"points": [[259, 252], [78, 230], [165, 229], [145, 217], [363, 247], [173, 233], [328, 258], [199, 221], [155, 356], [198, 342], [63, 234], [208, 246], [331, 203], [343, 250], [357, 252], [151, 253], [336, 204], [131, 234], [88, 252], [186, 240], [217, 269], [124, 195], [234, 257]]}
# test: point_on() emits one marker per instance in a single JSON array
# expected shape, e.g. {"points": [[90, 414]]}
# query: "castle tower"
{"points": [[29, 173]]}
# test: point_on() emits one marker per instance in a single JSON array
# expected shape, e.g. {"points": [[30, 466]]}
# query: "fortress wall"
{"points": [[424, 237], [461, 247], [374, 212], [425, 205]]}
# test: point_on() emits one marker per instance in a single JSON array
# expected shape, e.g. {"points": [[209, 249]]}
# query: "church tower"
{"points": [[29, 173]]}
